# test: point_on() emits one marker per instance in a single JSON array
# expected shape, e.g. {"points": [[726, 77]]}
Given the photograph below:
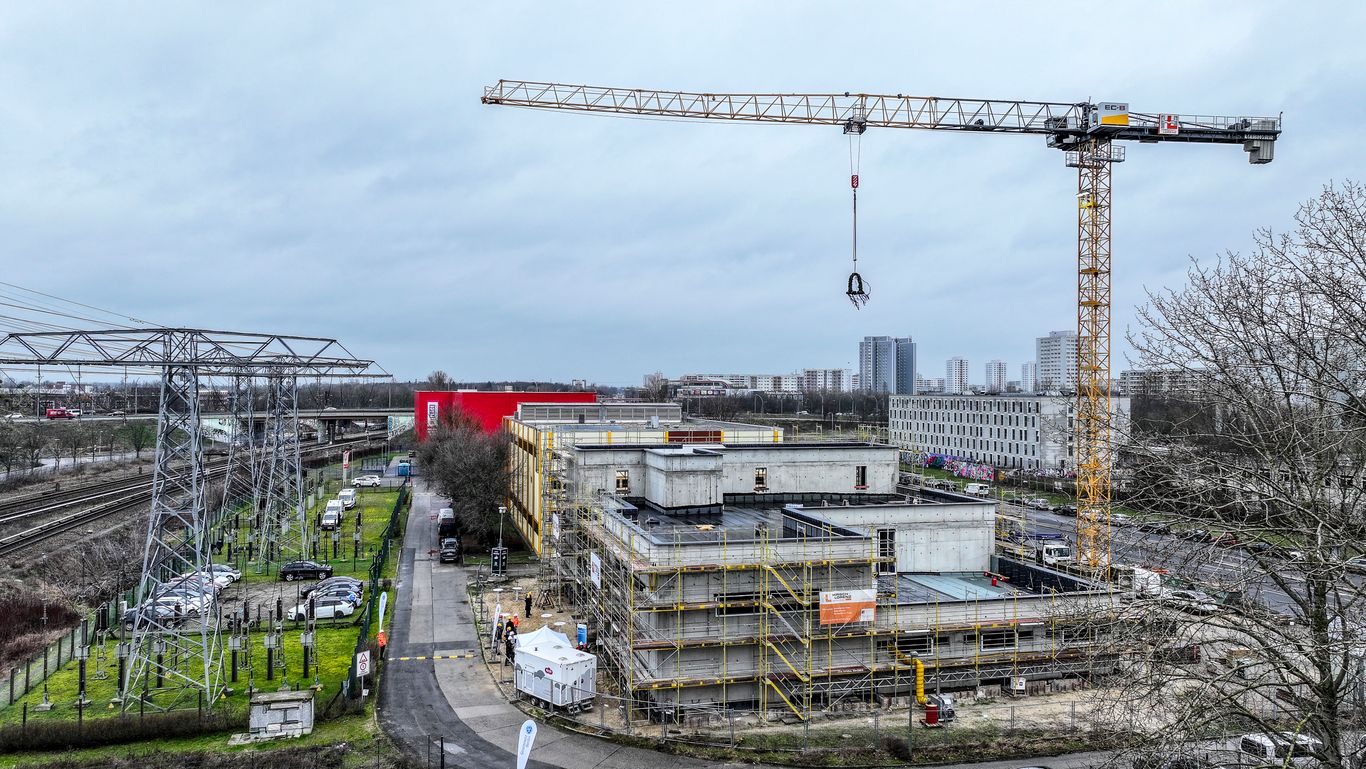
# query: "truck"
{"points": [[1051, 550], [60, 413], [445, 524]]}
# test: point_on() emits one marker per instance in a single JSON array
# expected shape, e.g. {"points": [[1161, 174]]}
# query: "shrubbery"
{"points": [[95, 732]]}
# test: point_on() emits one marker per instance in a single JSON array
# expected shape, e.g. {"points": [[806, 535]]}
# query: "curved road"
{"points": [[424, 700]]}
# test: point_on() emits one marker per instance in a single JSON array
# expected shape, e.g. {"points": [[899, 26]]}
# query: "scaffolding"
{"points": [[735, 620]]}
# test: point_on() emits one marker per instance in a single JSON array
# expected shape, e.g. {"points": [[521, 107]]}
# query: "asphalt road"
{"points": [[1203, 562]]}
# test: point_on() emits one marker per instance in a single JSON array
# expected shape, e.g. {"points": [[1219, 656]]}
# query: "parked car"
{"points": [[223, 568], [150, 612], [304, 570], [326, 608], [450, 550], [1120, 519], [202, 583], [332, 515], [1356, 564], [366, 480], [184, 602], [347, 497], [1198, 535], [343, 591], [355, 585], [220, 580], [1280, 749], [1227, 539], [1156, 760], [1190, 601], [1039, 503], [1154, 527]]}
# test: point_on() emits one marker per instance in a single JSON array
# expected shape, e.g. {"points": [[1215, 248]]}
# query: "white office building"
{"points": [[1029, 377], [956, 375], [995, 376], [1008, 431], [1056, 355]]}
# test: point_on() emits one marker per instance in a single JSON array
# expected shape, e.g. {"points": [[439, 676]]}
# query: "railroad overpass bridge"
{"points": [[327, 423]]}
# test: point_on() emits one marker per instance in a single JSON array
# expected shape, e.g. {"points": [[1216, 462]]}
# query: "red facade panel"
{"points": [[486, 408]]}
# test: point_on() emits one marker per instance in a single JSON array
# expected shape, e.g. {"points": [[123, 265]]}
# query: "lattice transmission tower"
{"points": [[172, 663]]}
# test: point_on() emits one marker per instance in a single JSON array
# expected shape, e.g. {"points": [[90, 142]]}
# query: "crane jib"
{"points": [[1063, 122]]}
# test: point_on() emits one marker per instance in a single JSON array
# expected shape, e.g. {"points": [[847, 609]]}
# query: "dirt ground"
{"points": [[975, 708]]}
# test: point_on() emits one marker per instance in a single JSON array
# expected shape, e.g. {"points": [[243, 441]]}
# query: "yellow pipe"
{"points": [[919, 681]]}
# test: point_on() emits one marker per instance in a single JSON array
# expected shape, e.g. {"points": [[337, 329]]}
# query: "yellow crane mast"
{"points": [[1087, 132]]}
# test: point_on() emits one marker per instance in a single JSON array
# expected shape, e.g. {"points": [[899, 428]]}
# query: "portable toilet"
{"points": [[405, 468]]}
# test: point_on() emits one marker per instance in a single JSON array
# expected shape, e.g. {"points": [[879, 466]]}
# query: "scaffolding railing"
{"points": [[655, 601]]}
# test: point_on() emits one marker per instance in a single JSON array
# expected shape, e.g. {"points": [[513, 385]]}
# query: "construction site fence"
{"points": [[369, 615]]}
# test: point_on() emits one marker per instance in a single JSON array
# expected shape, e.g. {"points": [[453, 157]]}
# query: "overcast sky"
{"points": [[327, 169]]}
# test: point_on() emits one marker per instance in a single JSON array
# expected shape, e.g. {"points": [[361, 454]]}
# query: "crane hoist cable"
{"points": [[857, 289]]}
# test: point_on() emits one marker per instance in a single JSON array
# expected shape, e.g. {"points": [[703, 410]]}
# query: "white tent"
{"points": [[543, 637]]}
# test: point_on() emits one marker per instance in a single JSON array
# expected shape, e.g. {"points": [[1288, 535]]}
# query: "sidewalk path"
{"points": [[424, 700]]}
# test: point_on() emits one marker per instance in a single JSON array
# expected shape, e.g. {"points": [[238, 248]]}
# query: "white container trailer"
{"points": [[551, 670]]}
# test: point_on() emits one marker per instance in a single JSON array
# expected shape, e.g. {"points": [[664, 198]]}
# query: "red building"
{"points": [[487, 408]]}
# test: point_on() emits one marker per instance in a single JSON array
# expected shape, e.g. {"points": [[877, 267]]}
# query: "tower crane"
{"points": [[1087, 132]]}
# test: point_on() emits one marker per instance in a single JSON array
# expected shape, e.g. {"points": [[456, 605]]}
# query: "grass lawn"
{"points": [[334, 647], [373, 506]]}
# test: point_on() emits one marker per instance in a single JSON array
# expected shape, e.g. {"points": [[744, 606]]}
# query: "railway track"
{"points": [[105, 498], [29, 537]]}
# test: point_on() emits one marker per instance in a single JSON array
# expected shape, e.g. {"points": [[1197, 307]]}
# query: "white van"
{"points": [[332, 515], [980, 489], [1274, 749], [347, 498]]}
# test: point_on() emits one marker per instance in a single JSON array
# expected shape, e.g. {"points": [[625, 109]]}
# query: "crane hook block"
{"points": [[853, 181]]}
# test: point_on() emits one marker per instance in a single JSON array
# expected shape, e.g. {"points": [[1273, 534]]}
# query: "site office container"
{"points": [[559, 675]]}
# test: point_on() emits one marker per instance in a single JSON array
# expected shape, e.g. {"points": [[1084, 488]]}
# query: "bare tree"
{"points": [[1265, 481], [31, 445], [139, 435], [73, 438], [9, 445], [439, 380], [469, 467], [655, 388]]}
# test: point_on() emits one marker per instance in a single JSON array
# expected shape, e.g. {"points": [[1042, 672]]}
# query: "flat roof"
{"points": [[733, 522], [781, 445], [964, 586]]}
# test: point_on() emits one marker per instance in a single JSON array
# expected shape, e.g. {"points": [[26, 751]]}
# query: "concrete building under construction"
{"points": [[542, 433], [790, 577]]}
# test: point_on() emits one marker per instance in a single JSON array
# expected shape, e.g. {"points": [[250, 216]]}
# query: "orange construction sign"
{"points": [[839, 607]]}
